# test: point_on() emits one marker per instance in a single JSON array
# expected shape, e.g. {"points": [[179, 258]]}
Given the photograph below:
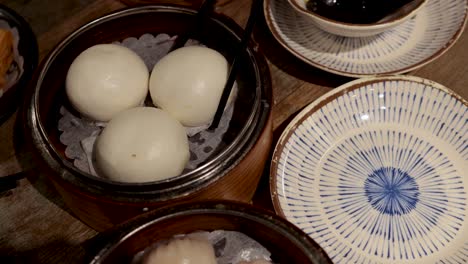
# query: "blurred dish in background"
{"points": [[6, 57], [18, 59]]}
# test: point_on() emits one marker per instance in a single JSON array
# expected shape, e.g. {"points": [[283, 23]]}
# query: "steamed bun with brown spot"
{"points": [[142, 144]]}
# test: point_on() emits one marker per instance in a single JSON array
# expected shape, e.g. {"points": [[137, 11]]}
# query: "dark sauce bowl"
{"points": [[344, 27], [286, 242], [232, 172], [28, 49]]}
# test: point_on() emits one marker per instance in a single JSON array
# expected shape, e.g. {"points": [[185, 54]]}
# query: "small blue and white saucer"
{"points": [[413, 44], [376, 171]]}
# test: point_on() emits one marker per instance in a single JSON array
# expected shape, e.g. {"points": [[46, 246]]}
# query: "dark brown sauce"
{"points": [[355, 11]]}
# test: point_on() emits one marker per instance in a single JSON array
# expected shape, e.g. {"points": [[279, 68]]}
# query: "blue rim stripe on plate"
{"points": [[376, 172]]}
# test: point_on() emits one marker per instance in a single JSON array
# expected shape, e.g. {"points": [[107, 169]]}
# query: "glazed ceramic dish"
{"points": [[406, 47], [376, 171], [354, 30]]}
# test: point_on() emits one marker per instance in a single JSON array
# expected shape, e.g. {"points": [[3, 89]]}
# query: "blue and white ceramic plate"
{"points": [[376, 171], [413, 44]]}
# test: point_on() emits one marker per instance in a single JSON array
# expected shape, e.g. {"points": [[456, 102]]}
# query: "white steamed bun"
{"points": [[142, 144], [188, 83], [106, 79], [183, 251]]}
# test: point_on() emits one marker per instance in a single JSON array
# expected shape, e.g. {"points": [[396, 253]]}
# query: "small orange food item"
{"points": [[6, 54]]}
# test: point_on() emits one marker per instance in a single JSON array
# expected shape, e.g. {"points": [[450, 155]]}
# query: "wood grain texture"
{"points": [[94, 10], [35, 226]]}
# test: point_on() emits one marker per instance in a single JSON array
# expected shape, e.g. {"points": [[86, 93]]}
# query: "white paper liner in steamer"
{"points": [[16, 69], [231, 247], [237, 247], [79, 134]]}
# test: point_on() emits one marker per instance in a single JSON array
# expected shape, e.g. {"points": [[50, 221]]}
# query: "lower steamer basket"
{"points": [[286, 242], [233, 172]]}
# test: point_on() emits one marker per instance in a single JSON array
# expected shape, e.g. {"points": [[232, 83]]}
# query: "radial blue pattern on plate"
{"points": [[379, 174], [391, 191]]}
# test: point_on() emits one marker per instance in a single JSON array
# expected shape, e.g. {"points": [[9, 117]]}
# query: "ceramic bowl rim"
{"points": [[322, 101], [215, 207], [356, 26]]}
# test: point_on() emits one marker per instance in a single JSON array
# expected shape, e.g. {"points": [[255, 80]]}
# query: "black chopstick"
{"points": [[256, 6], [203, 11], [10, 182]]}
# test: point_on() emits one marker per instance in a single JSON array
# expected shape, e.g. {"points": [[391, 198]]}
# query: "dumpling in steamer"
{"points": [[188, 250], [142, 144], [188, 83]]}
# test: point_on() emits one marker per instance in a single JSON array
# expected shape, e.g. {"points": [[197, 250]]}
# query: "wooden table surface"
{"points": [[36, 227]]}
